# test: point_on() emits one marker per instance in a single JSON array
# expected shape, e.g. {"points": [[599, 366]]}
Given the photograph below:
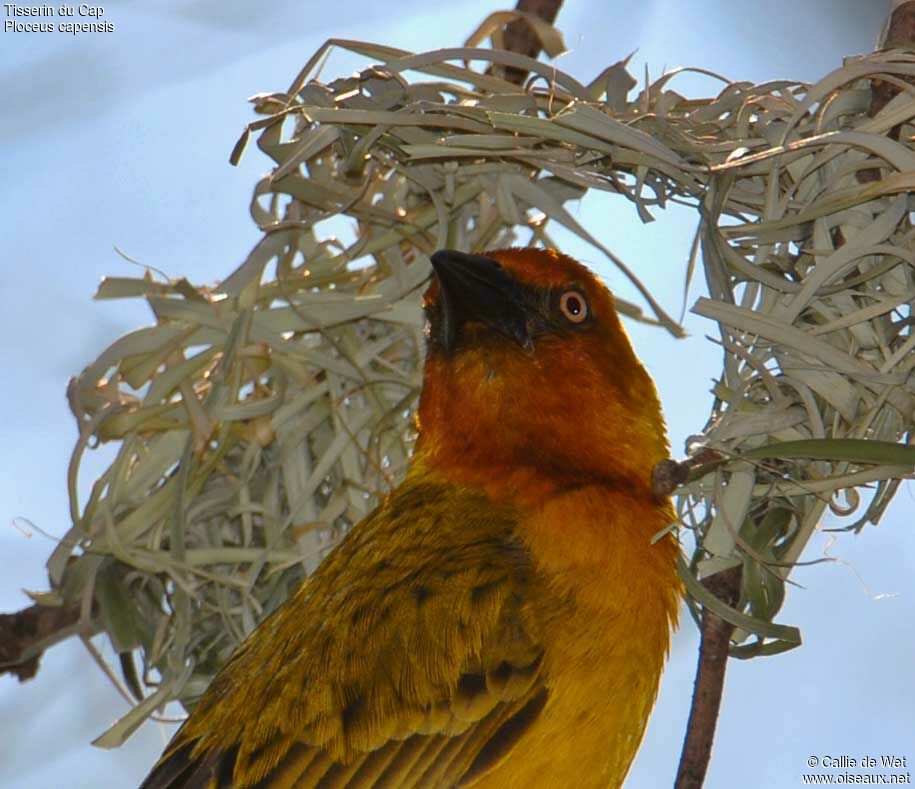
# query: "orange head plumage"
{"points": [[530, 368]]}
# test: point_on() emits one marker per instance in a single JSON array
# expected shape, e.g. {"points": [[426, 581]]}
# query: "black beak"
{"points": [[477, 289]]}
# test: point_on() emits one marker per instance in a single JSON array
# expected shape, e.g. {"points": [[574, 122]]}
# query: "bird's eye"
{"points": [[574, 306]]}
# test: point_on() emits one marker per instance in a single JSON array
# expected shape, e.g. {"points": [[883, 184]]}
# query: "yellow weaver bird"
{"points": [[502, 619]]}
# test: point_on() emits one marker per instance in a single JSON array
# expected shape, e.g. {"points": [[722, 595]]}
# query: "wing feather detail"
{"points": [[410, 658]]}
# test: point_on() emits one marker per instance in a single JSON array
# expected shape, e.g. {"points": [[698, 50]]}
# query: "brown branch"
{"points": [[668, 475], [521, 39], [901, 28], [26, 634], [899, 32], [709, 687]]}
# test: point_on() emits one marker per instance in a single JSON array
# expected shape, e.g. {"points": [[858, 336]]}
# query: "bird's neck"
{"points": [[524, 485], [596, 541], [522, 437], [513, 473]]}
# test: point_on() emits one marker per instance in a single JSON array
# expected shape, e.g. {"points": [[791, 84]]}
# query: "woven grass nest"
{"points": [[259, 418]]}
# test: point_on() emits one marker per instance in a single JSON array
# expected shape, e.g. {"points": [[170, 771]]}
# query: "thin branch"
{"points": [[709, 687], [668, 475], [899, 32], [900, 29], [521, 39], [26, 634]]}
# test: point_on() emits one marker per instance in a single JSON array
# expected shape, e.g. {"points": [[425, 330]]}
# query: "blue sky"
{"points": [[122, 139]]}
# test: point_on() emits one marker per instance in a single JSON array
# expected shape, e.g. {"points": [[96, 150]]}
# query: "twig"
{"points": [[26, 634], [899, 32], [668, 475], [713, 658], [521, 39]]}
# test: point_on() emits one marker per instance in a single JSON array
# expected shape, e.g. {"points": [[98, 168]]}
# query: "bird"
{"points": [[503, 617]]}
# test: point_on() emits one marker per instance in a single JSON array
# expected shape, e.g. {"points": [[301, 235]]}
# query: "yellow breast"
{"points": [[609, 606]]}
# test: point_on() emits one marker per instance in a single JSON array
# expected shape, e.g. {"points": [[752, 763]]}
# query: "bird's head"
{"points": [[530, 370]]}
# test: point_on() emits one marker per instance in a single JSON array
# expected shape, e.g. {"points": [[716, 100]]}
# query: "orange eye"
{"points": [[574, 306]]}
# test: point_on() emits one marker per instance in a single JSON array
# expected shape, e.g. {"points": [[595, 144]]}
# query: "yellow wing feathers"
{"points": [[407, 659]]}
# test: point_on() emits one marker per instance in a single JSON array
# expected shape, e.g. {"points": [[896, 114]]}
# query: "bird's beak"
{"points": [[473, 288]]}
